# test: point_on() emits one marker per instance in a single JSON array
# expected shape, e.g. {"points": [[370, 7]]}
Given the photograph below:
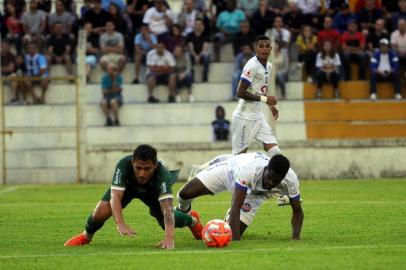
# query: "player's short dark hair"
{"points": [[278, 167], [262, 37], [145, 152]]}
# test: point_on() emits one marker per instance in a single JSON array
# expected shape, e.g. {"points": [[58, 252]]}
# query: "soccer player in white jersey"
{"points": [[249, 122], [252, 178]]}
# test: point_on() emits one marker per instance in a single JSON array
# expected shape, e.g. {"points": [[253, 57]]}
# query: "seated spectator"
{"points": [[14, 27], [240, 60], [279, 7], [97, 17], [262, 18], [112, 47], [106, 4], [34, 25], [20, 6], [400, 14], [60, 48], [248, 7], [188, 16], [44, 5], [375, 36], [136, 10], [221, 126], [199, 5], [37, 68], [360, 4], [333, 7], [244, 37], [281, 65], [159, 18], [307, 46], [385, 67], [8, 68], [143, 43], [280, 34], [311, 10], [342, 18], [23, 87], [398, 42], [353, 46], [294, 20], [367, 16], [328, 34], [183, 73], [92, 49], [61, 16], [328, 65], [215, 8], [175, 38], [161, 66], [123, 25], [198, 44], [112, 83], [228, 25]]}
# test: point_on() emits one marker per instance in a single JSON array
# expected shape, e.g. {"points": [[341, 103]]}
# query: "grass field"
{"points": [[357, 224]]}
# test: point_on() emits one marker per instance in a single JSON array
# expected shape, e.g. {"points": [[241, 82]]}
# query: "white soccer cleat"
{"points": [[372, 97]]}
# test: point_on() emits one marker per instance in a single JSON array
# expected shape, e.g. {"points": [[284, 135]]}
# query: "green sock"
{"points": [[91, 226], [182, 219]]}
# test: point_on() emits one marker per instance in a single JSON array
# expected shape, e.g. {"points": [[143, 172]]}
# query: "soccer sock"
{"points": [[274, 150], [184, 205], [182, 219], [91, 226]]}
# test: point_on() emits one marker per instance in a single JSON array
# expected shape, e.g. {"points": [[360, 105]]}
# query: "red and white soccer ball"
{"points": [[216, 233]]}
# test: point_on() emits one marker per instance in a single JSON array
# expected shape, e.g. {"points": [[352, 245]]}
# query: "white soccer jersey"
{"points": [[257, 75]]}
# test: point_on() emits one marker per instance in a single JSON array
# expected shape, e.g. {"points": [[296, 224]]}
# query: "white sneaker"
{"points": [[178, 99], [372, 97], [309, 79], [191, 98], [398, 96]]}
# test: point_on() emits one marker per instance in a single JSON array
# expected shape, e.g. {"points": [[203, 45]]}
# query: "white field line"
{"points": [[207, 251], [7, 190]]}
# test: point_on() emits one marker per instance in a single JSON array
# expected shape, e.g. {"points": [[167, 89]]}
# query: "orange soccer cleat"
{"points": [[198, 227], [77, 240]]}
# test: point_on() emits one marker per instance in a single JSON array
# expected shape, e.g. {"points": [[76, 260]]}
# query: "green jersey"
{"points": [[159, 186]]}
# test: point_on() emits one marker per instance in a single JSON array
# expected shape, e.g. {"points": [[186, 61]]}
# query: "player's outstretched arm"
{"points": [[117, 209], [244, 94], [236, 203], [297, 219], [169, 220]]}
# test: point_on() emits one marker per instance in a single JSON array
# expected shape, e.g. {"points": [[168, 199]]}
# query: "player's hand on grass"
{"points": [[275, 112], [125, 230], [166, 244], [271, 100]]}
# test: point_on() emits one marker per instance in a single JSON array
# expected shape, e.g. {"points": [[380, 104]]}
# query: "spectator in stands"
{"points": [[360, 4], [188, 16], [123, 25], [342, 18], [307, 46], [61, 16], [375, 36], [97, 17], [183, 73], [385, 67], [161, 64], [19, 5], [215, 8], [367, 16], [92, 49], [14, 27], [400, 14], [112, 47], [34, 25], [248, 7], [200, 5], [262, 18], [279, 7], [294, 20], [118, 3], [221, 126], [60, 48], [143, 43], [281, 65], [280, 34], [8, 68], [136, 10], [353, 46], [228, 25], [311, 10], [328, 65], [329, 34], [159, 18], [333, 7], [244, 37], [240, 60], [198, 44], [112, 100], [44, 5], [398, 42], [37, 68], [23, 87], [175, 38]]}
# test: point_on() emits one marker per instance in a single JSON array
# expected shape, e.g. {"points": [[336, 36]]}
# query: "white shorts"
{"points": [[216, 178], [249, 209], [245, 131]]}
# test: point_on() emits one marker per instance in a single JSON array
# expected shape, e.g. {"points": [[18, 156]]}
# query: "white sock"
{"points": [[184, 205]]}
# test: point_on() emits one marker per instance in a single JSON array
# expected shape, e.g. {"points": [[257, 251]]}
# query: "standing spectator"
{"points": [[367, 16], [62, 16], [14, 27], [34, 24], [60, 48], [112, 47], [374, 37], [398, 42], [97, 17], [307, 46], [400, 14], [112, 100], [188, 16], [281, 65], [311, 10], [328, 65], [329, 34], [244, 37], [92, 49], [198, 44], [342, 18], [161, 66], [385, 67], [353, 46], [228, 24], [240, 60], [183, 73], [37, 68], [221, 126], [8, 68], [159, 18], [175, 38], [280, 34], [143, 43], [263, 18], [248, 7], [294, 20]]}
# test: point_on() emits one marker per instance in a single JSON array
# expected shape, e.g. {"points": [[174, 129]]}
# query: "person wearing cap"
{"points": [[342, 18], [252, 178], [385, 67]]}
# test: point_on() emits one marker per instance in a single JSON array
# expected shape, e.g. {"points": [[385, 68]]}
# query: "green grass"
{"points": [[348, 225]]}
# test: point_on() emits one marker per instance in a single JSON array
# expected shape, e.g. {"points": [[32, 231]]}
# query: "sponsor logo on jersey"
{"points": [[117, 176], [164, 187], [246, 207], [247, 73]]}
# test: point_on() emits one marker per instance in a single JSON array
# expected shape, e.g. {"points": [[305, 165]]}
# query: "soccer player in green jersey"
{"points": [[145, 177]]}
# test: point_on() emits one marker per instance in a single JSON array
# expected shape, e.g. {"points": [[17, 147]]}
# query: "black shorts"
{"points": [[161, 79]]}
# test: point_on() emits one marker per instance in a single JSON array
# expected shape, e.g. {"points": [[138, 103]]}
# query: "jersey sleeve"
{"points": [[164, 182], [292, 184], [119, 177], [243, 179], [248, 73]]}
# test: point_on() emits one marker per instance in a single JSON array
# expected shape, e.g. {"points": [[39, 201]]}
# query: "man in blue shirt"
{"points": [[112, 100], [143, 43], [37, 68]]}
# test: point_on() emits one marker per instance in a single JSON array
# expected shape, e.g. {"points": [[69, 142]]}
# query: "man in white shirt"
{"points": [[398, 42], [159, 18], [249, 122], [252, 178]]}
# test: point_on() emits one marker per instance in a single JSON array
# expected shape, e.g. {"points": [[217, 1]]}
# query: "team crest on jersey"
{"points": [[247, 73], [246, 207]]}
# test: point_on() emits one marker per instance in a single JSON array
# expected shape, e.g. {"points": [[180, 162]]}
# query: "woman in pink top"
{"points": [[14, 27]]}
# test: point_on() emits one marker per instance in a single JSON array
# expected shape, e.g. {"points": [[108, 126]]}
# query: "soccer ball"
{"points": [[216, 233]]}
